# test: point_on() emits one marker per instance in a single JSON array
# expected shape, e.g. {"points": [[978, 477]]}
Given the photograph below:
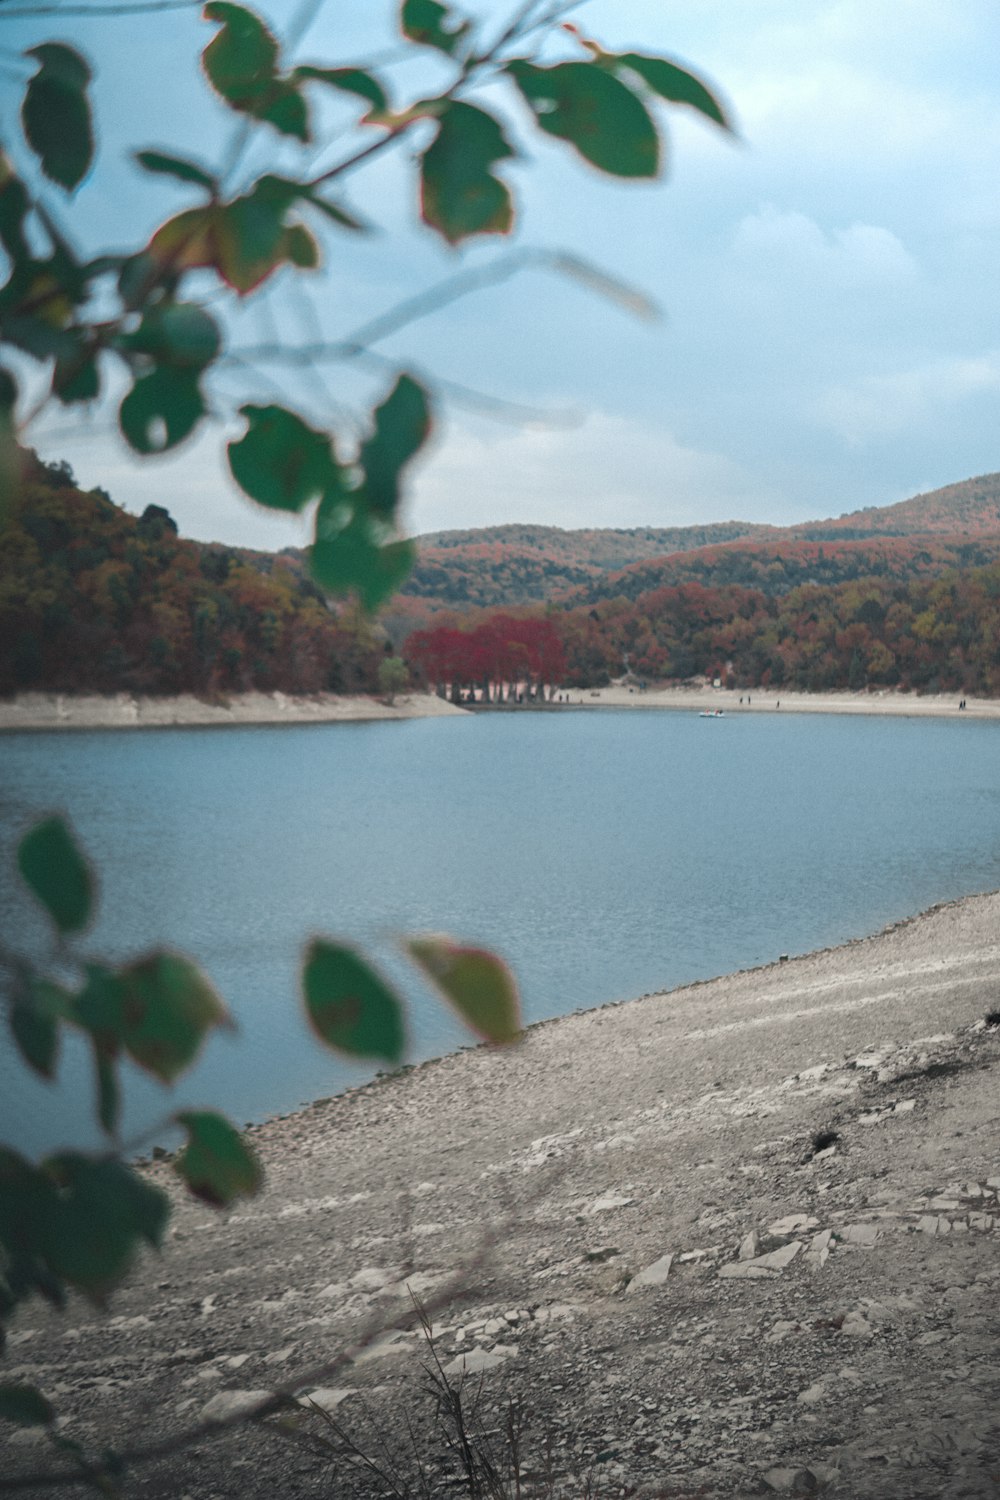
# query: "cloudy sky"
{"points": [[830, 330]]}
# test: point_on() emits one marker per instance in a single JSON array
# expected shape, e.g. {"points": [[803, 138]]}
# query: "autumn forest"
{"points": [[908, 596]]}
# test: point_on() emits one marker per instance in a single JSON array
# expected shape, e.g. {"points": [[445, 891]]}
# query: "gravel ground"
{"points": [[742, 1238]]}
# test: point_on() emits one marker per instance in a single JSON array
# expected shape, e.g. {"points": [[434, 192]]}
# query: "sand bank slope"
{"points": [[744, 1240], [123, 711]]}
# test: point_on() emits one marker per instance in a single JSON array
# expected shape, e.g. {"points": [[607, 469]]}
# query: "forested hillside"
{"points": [[503, 565], [93, 599], [968, 508], [774, 567], [500, 566]]}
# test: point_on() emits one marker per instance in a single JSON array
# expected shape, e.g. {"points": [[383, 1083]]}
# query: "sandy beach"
{"points": [[737, 1239], [771, 700], [34, 711]]}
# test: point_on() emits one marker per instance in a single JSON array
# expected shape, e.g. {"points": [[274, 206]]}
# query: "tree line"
{"points": [[93, 599]]}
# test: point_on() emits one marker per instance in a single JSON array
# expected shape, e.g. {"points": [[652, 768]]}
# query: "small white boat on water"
{"points": [[712, 713]]}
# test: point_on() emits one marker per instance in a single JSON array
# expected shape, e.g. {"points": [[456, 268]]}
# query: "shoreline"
{"points": [[66, 711], [886, 702], [697, 1232], [960, 906]]}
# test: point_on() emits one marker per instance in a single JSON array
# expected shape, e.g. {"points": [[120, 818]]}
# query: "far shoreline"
{"points": [[37, 712]]}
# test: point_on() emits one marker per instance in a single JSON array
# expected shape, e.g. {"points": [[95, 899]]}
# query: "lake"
{"points": [[605, 854]]}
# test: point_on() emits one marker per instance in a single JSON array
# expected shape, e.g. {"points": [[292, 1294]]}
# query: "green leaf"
{"points": [[359, 558], [281, 462], [159, 1009], [581, 103], [176, 333], [57, 872], [349, 80], [108, 1091], [176, 166], [100, 1212], [300, 247], [25, 1406], [241, 65], [460, 196], [348, 1005], [216, 1163], [402, 426], [338, 214], [432, 25], [674, 84], [56, 114], [477, 983], [245, 241], [161, 409], [75, 377], [14, 205], [34, 1023], [252, 239], [37, 1037]]}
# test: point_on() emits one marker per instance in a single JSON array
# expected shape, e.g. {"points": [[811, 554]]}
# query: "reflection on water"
{"points": [[604, 854]]}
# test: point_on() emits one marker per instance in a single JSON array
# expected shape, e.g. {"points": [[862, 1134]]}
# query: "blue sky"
{"points": [[831, 306]]}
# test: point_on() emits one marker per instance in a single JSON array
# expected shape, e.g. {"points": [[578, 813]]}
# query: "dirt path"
{"points": [[688, 1294]]}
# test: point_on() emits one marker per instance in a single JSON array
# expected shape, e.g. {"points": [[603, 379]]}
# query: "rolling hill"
{"points": [[504, 566]]}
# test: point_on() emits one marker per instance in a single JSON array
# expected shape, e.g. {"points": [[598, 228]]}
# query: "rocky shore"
{"points": [[739, 1239]]}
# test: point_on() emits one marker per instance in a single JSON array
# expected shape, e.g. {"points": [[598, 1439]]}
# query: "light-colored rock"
{"points": [[372, 1278], [327, 1398], [864, 1236], [749, 1246], [610, 1201], [792, 1224], [479, 1361], [653, 1275], [279, 1356], [904, 1107], [820, 1245], [386, 1344], [225, 1405], [777, 1260], [746, 1270]]}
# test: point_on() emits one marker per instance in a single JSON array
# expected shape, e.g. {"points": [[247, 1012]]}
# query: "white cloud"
{"points": [[887, 405], [773, 243], [609, 471]]}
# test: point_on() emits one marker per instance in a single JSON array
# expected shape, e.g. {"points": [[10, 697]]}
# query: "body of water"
{"points": [[605, 855]]}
